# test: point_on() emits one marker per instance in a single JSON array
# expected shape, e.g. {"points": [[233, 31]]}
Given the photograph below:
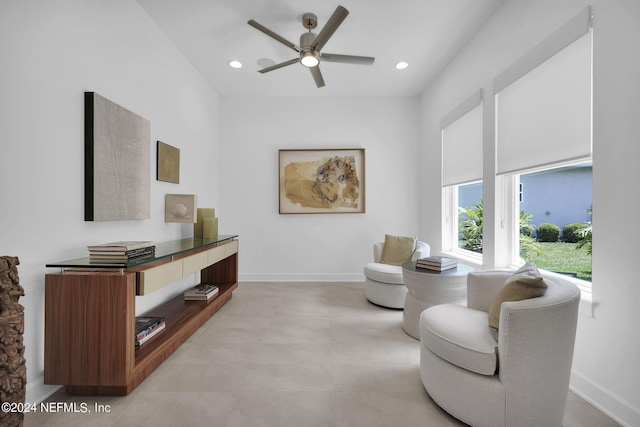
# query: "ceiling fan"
{"points": [[311, 44]]}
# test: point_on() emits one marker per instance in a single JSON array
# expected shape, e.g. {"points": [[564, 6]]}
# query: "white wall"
{"points": [[315, 246], [605, 369], [51, 53]]}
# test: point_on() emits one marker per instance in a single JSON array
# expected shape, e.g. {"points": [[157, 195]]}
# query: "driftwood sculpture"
{"points": [[13, 371]]}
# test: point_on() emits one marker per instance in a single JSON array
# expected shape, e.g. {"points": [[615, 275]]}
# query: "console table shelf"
{"points": [[90, 316], [182, 319]]}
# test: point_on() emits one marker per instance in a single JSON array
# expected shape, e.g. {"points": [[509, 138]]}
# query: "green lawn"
{"points": [[564, 258]]}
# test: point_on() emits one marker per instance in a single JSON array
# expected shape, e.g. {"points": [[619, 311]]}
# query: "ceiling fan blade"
{"points": [[317, 76], [347, 59], [273, 35], [280, 65], [330, 27]]}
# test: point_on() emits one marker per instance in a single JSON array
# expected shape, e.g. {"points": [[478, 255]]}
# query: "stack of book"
{"points": [[437, 263], [147, 328], [203, 291], [121, 252]]}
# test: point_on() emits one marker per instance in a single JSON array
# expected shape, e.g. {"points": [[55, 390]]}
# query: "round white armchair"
{"points": [[384, 283], [519, 379]]}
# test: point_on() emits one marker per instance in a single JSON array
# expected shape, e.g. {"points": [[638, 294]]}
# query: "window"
{"points": [[555, 219], [462, 177], [544, 144], [463, 221], [470, 217]]}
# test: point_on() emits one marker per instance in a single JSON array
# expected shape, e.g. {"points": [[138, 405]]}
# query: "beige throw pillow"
{"points": [[397, 250], [525, 283]]}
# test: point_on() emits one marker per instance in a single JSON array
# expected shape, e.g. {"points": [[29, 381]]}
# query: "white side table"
{"points": [[427, 288]]}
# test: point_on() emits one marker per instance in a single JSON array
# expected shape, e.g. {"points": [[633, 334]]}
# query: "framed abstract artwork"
{"points": [[117, 164], [321, 180], [168, 163]]}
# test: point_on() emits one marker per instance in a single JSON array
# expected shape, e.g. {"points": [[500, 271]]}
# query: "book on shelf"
{"points": [[148, 327], [146, 323], [122, 246], [437, 263], [152, 333], [203, 291], [110, 256], [112, 253], [129, 253]]}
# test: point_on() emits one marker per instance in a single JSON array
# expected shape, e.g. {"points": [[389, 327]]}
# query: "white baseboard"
{"points": [[609, 403], [37, 391], [301, 277]]}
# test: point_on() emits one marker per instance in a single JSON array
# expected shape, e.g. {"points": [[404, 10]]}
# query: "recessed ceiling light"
{"points": [[235, 64], [402, 65]]}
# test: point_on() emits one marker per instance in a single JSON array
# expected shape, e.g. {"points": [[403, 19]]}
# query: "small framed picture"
{"points": [[180, 208], [168, 163]]}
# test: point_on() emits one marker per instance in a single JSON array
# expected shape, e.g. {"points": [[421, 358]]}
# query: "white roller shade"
{"points": [[543, 116], [462, 143]]}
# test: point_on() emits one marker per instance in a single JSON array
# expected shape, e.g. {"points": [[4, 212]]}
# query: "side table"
{"points": [[427, 288]]}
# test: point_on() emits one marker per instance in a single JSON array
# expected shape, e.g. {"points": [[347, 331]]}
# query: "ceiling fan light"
{"points": [[235, 64], [402, 65], [309, 59]]}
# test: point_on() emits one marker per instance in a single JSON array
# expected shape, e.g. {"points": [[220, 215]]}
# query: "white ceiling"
{"points": [[425, 33]]}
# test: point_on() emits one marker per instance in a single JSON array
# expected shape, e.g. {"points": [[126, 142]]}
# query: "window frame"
{"points": [[450, 226], [511, 196], [449, 192], [510, 219], [506, 188]]}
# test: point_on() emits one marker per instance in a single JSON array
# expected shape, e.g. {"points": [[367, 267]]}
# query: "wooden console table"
{"points": [[90, 313]]}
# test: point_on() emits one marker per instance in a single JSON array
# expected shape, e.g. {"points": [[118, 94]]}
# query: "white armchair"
{"points": [[522, 379], [384, 283]]}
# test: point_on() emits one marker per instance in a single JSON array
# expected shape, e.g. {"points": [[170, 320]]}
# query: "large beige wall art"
{"points": [[322, 181], [116, 162]]}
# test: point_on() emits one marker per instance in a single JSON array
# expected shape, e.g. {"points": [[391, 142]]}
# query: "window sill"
{"points": [[587, 305], [466, 257]]}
